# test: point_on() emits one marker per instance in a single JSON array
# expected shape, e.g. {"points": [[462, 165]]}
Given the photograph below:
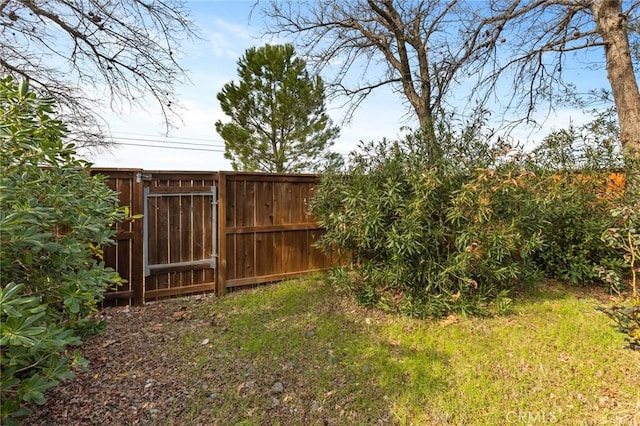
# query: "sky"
{"points": [[227, 30]]}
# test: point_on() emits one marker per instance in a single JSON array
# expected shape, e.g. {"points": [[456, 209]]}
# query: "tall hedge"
{"points": [[461, 234]]}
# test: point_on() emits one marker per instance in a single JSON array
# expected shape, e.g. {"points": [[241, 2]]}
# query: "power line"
{"points": [[148, 135], [345, 156], [167, 141], [176, 140], [169, 147], [187, 146]]}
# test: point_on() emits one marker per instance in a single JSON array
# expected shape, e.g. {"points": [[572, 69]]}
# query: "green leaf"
{"points": [[33, 389], [8, 379], [23, 88], [10, 291], [71, 302]]}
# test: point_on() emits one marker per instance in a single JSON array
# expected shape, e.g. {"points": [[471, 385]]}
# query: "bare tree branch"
{"points": [[419, 48], [541, 34], [94, 53], [428, 48]]}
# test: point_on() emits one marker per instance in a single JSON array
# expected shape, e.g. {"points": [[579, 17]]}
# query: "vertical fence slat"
{"points": [[264, 203], [221, 282], [137, 227]]}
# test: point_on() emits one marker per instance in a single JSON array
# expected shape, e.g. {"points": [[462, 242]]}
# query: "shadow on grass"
{"points": [[547, 291], [334, 365]]}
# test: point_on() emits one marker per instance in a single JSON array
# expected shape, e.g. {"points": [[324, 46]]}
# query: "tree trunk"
{"points": [[611, 24], [428, 124], [429, 138]]}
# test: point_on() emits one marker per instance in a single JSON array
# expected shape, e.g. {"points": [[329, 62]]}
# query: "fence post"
{"points": [[221, 281], [137, 261]]}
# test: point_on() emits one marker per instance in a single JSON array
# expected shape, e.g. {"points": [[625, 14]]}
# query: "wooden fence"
{"points": [[206, 231]]}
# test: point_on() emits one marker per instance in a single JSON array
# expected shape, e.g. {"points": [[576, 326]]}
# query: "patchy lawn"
{"points": [[298, 353]]}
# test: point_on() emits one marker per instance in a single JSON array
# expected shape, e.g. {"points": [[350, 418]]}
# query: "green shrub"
{"points": [[626, 236], [425, 239], [54, 219], [459, 234], [581, 160], [626, 316]]}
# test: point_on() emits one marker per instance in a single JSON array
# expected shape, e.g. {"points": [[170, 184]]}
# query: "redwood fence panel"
{"points": [[268, 231], [207, 231]]}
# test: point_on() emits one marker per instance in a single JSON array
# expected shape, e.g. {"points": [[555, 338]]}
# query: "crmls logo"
{"points": [[531, 417]]}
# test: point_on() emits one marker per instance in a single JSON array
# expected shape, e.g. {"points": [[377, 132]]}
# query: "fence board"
{"points": [[265, 259], [186, 226], [272, 228], [282, 203], [246, 204], [264, 204], [123, 259], [245, 255]]}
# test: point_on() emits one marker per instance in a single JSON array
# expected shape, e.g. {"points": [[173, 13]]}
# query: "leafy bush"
{"points": [[582, 161], [54, 219], [626, 316], [427, 239], [459, 234], [626, 236]]}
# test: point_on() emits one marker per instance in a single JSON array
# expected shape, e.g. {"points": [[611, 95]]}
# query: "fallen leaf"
{"points": [[451, 319]]}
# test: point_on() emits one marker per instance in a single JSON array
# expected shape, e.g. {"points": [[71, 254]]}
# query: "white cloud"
{"points": [[224, 39]]}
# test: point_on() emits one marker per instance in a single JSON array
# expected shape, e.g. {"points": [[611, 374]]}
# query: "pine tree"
{"points": [[278, 116]]}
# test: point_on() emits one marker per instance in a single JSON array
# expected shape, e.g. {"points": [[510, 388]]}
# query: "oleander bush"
{"points": [[583, 161], [625, 235], [425, 237], [54, 220], [458, 234]]}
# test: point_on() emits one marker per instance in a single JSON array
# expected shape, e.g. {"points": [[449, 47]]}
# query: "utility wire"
{"points": [[345, 156], [175, 140], [148, 135], [169, 147], [186, 146], [210, 145]]}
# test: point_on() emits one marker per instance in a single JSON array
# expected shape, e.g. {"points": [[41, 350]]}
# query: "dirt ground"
{"points": [[134, 378], [129, 380]]}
